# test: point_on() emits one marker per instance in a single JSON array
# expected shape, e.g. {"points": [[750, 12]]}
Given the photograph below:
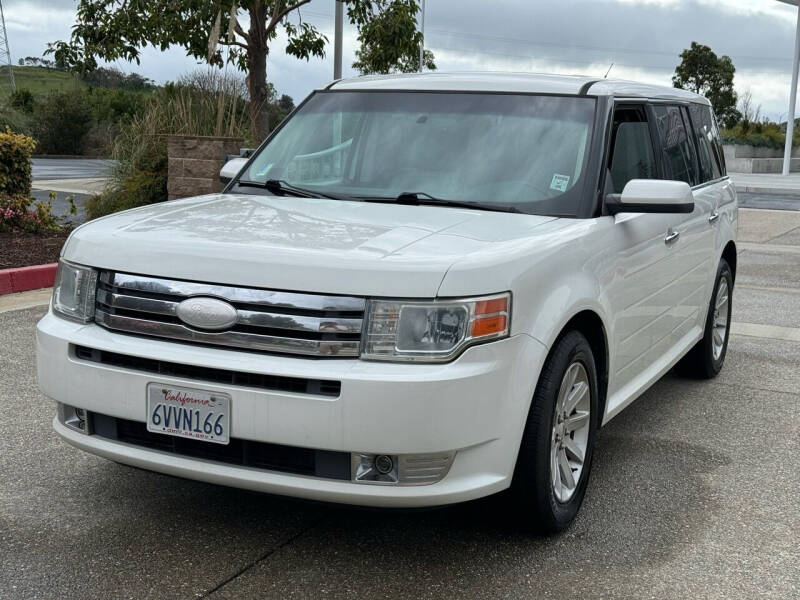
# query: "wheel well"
{"points": [[591, 326], [729, 254]]}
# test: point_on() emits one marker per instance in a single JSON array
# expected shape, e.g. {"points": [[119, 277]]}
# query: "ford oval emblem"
{"points": [[207, 313]]}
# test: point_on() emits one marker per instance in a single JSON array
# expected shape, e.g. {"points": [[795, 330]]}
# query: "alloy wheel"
{"points": [[570, 435], [720, 318]]}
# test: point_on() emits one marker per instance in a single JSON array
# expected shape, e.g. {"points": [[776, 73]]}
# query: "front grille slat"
{"points": [[270, 298], [297, 323], [280, 383], [137, 303], [266, 321]]}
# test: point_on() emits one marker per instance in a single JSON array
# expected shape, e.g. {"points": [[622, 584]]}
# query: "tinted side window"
{"points": [[632, 154], [717, 145], [704, 132], [679, 156]]}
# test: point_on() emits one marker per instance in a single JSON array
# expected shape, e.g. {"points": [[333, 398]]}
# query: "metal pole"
{"points": [[4, 49], [422, 41], [337, 42], [787, 150]]}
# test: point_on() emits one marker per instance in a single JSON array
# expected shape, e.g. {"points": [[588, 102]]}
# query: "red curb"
{"points": [[23, 279]]}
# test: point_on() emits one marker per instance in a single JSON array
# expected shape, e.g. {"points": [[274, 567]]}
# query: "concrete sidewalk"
{"points": [[90, 186], [762, 183]]}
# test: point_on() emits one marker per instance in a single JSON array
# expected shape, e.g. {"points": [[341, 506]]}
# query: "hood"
{"points": [[298, 244]]}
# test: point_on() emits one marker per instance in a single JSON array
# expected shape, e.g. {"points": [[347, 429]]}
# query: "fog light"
{"points": [[384, 464], [76, 419], [403, 469], [371, 468]]}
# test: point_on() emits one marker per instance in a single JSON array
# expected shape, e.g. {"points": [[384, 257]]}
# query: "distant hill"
{"points": [[39, 80]]}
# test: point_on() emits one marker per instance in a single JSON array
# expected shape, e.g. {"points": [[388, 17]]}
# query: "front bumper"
{"points": [[475, 406]]}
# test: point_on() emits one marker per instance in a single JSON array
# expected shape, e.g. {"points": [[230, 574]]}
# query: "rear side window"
{"points": [[680, 160], [709, 146]]}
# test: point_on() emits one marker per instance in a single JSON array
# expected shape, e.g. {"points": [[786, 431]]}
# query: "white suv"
{"points": [[420, 290]]}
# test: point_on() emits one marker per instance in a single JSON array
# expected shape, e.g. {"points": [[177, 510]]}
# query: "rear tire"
{"points": [[706, 358], [555, 455]]}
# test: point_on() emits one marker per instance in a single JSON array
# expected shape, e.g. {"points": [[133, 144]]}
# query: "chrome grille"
{"points": [[266, 321]]}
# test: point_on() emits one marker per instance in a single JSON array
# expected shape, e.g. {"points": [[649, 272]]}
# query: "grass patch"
{"points": [[39, 80]]}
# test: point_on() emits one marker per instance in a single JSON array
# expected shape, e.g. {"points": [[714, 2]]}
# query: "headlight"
{"points": [[433, 331], [73, 292]]}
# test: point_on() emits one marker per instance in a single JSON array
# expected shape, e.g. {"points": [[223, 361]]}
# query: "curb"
{"points": [[23, 279], [760, 189]]}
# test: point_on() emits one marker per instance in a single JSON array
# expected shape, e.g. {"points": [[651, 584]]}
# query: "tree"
{"points": [[286, 103], [390, 39], [115, 78], [703, 72], [118, 29]]}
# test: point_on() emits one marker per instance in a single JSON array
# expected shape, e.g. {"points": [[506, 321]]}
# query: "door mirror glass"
{"points": [[651, 196], [231, 169]]}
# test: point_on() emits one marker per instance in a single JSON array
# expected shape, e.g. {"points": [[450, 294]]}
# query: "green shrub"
{"points": [[12, 119], [22, 99], [62, 120], [115, 105], [140, 175], [762, 134], [16, 213], [205, 103], [15, 163]]}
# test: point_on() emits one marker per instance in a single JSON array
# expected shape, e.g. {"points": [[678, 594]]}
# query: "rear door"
{"points": [[693, 247]]}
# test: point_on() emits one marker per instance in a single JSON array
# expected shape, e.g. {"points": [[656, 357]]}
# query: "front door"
{"points": [[647, 261]]}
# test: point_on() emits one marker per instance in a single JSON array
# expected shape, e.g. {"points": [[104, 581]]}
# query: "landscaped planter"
{"points": [[195, 162]]}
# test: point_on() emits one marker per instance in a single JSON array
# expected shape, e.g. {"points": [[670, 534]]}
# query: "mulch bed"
{"points": [[18, 249]]}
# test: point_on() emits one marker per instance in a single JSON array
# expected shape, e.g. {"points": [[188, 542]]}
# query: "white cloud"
{"points": [[642, 37]]}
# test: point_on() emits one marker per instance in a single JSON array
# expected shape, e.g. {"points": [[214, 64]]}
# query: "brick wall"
{"points": [[195, 162]]}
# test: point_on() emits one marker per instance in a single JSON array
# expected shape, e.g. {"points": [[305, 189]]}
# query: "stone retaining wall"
{"points": [[195, 162]]}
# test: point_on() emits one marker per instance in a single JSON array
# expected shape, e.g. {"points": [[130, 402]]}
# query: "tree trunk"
{"points": [[257, 72]]}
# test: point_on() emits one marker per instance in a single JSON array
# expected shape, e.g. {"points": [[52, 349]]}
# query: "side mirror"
{"points": [[231, 169], [651, 196]]}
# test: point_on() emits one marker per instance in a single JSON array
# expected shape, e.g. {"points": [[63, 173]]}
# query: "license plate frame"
{"points": [[190, 413]]}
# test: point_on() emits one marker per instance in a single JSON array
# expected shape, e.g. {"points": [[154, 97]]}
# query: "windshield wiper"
{"points": [[422, 198], [280, 187]]}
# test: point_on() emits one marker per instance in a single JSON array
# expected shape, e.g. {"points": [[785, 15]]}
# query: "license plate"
{"points": [[188, 413]]}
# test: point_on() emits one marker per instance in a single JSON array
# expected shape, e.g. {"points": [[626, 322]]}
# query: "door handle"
{"points": [[672, 236], [713, 218]]}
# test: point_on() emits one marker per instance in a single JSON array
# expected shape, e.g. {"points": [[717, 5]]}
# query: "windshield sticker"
{"points": [[560, 182]]}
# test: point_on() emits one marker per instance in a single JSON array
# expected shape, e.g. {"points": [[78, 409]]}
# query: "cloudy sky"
{"points": [[641, 37]]}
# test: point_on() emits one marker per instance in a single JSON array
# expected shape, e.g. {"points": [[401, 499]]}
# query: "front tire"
{"points": [[706, 358], [555, 455]]}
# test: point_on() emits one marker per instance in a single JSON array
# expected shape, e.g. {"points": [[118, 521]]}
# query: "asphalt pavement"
{"points": [[694, 494], [76, 178], [70, 168]]}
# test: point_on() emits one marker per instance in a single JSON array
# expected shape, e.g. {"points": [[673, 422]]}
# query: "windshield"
{"points": [[520, 151]]}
